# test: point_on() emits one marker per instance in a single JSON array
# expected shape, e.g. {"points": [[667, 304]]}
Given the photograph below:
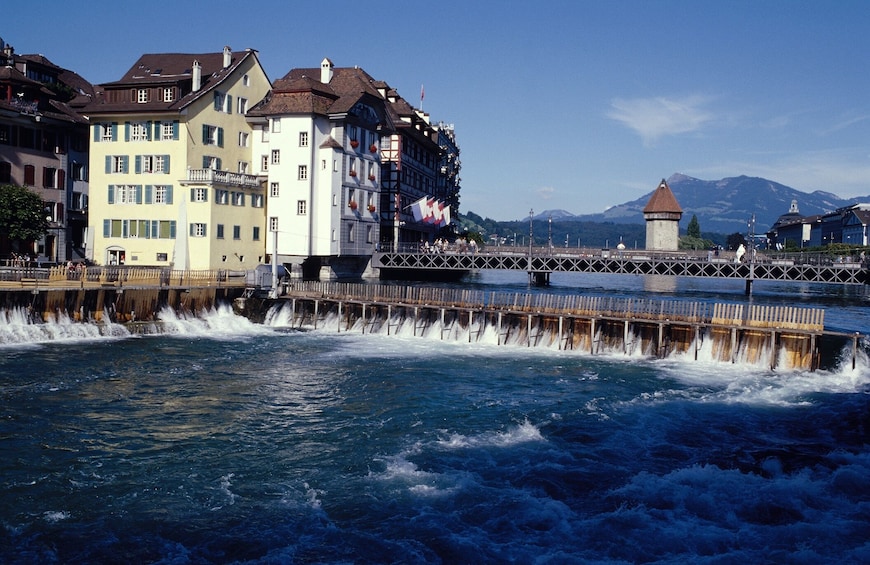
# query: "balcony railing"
{"points": [[211, 176]]}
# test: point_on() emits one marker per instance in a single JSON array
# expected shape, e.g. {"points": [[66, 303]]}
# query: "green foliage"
{"points": [[22, 214], [696, 243], [694, 228]]}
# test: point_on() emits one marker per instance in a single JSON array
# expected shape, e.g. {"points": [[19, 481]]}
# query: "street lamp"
{"points": [[531, 233], [550, 231]]}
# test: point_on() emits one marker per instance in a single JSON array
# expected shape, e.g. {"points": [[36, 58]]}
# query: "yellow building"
{"points": [[171, 180]]}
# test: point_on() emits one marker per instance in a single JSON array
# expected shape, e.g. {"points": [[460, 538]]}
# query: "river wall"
{"points": [[118, 304]]}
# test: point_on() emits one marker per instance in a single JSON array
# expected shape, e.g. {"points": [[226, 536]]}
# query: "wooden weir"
{"points": [[776, 336]]}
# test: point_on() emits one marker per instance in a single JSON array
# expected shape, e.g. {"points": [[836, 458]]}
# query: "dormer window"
{"points": [[142, 95], [168, 94]]}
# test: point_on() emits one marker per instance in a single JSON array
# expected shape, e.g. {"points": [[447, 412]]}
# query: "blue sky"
{"points": [[574, 105]]}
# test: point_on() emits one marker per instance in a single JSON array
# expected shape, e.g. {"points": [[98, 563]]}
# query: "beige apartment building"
{"points": [[171, 172]]}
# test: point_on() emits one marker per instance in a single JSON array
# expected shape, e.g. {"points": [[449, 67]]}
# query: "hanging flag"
{"points": [[445, 215], [420, 209]]}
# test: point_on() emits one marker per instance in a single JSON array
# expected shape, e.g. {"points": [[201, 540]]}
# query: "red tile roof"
{"points": [[662, 201]]}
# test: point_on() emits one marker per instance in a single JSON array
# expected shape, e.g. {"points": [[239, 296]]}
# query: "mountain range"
{"points": [[722, 206]]}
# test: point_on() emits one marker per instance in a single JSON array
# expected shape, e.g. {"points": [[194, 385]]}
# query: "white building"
{"points": [[317, 140]]}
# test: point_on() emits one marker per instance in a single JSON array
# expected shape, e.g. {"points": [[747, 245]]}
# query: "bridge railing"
{"points": [[117, 276]]}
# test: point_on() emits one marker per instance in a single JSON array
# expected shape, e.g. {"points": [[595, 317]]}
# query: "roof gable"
{"points": [[662, 201]]}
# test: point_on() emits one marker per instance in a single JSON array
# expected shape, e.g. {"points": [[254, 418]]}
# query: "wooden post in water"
{"points": [[697, 335], [733, 345], [773, 349], [389, 317], [560, 333], [338, 325], [625, 333], [529, 330], [854, 349], [591, 336], [442, 324], [498, 330]]}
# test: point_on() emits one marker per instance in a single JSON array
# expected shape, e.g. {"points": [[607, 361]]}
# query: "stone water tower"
{"points": [[662, 214]]}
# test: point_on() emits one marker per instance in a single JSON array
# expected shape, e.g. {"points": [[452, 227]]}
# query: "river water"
{"points": [[221, 441]]}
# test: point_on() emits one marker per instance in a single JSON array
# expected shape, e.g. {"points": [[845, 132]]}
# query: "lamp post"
{"points": [[531, 232], [549, 232]]}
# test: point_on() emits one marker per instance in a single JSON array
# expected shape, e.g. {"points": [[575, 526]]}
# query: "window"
{"points": [[142, 95], [4, 134], [369, 231], [301, 207], [255, 235], [161, 194], [246, 80], [264, 163], [107, 132], [303, 172], [276, 125], [125, 194], [238, 198], [256, 200], [303, 139], [197, 230], [220, 231], [168, 94], [199, 194], [273, 223], [118, 164], [223, 102], [29, 175], [353, 166], [352, 133], [138, 131], [323, 164], [168, 130], [243, 139], [222, 196], [5, 171], [78, 171], [212, 135], [49, 177], [243, 105], [276, 156], [166, 229], [154, 164], [237, 232], [274, 190], [209, 162], [243, 167], [350, 236]]}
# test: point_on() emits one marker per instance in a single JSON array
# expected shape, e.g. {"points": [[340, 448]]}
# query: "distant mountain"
{"points": [[725, 206], [561, 215]]}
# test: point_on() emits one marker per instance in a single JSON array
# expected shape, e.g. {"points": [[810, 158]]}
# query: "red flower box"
{"points": [[354, 143], [373, 148], [353, 173], [352, 205]]}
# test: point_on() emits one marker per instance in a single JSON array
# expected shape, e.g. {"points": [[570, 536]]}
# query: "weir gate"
{"points": [[772, 336], [540, 262]]}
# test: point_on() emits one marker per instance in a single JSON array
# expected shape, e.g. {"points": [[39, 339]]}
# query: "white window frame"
{"points": [[160, 192], [303, 139], [200, 194], [276, 156], [243, 167], [242, 105], [276, 125], [243, 138], [106, 132], [166, 131], [303, 172], [264, 163], [198, 229], [142, 95], [273, 223], [153, 164], [138, 131], [274, 190], [301, 207], [168, 94], [117, 164]]}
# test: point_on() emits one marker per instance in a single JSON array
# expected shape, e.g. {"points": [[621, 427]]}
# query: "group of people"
{"points": [[441, 245]]}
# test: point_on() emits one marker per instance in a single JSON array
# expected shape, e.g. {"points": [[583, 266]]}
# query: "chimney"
{"points": [[325, 71], [197, 76], [228, 56]]}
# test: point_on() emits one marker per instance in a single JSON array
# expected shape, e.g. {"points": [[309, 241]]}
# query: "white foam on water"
{"points": [[18, 327], [217, 323]]}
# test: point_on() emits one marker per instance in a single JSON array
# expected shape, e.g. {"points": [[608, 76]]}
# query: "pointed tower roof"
{"points": [[662, 201]]}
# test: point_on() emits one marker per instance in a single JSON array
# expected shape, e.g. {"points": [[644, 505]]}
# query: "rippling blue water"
{"points": [[229, 442]]}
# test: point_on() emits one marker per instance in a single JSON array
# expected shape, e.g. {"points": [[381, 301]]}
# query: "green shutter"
{"points": [[138, 194], [154, 229], [111, 194], [192, 194], [148, 130], [137, 164], [126, 131], [220, 137], [217, 100], [108, 164], [175, 130], [229, 104], [169, 194], [204, 134], [172, 225], [114, 131], [125, 164], [205, 162], [191, 230], [106, 227], [97, 128], [218, 164], [149, 194], [166, 164]]}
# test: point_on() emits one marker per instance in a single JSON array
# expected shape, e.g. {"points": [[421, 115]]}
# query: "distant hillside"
{"points": [[725, 206]]}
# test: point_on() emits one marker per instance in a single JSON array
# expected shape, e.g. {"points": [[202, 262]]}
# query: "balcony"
{"points": [[225, 178]]}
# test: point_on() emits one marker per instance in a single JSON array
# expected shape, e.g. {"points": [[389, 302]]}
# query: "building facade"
{"points": [[173, 181], [44, 147], [318, 137]]}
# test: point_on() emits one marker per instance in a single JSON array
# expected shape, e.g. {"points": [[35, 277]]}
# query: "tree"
{"points": [[735, 240], [694, 228], [22, 214]]}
